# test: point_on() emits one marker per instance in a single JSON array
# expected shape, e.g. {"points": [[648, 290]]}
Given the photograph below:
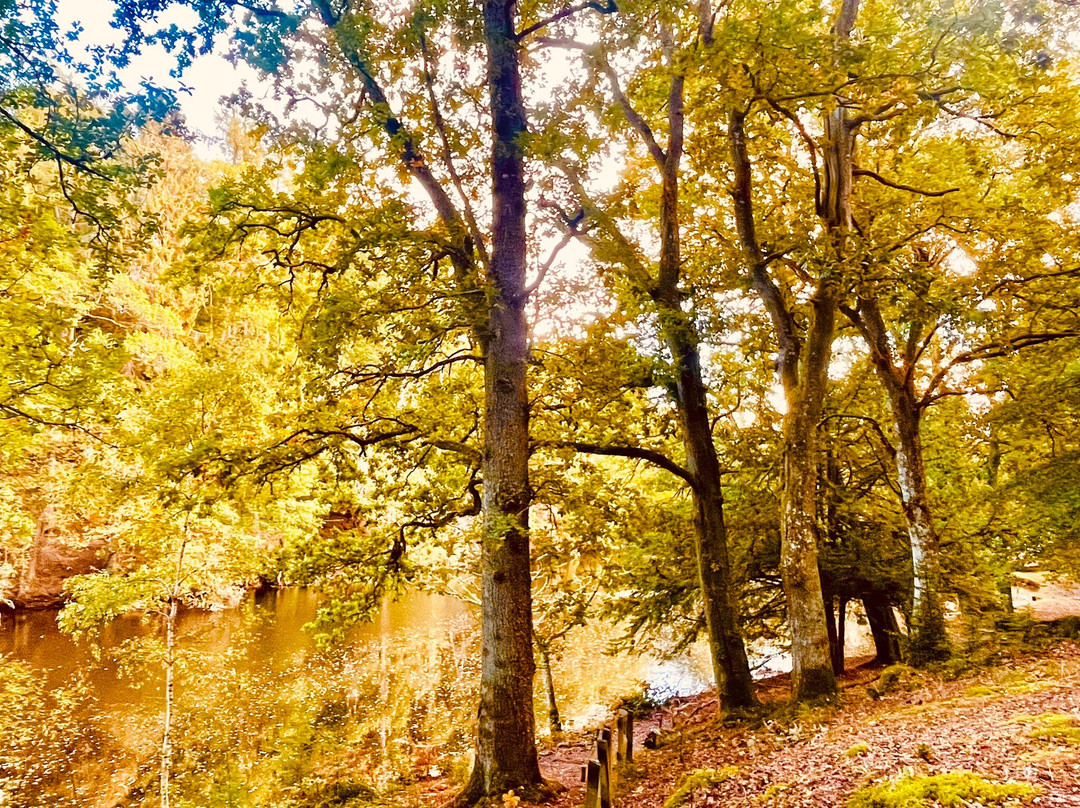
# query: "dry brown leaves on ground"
{"points": [[1019, 722]]}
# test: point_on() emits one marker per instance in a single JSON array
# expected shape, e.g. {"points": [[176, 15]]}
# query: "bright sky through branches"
{"points": [[209, 78]]}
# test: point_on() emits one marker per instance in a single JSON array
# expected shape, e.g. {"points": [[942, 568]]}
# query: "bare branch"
{"points": [[609, 7], [447, 154], [639, 123], [566, 239], [992, 350], [865, 172], [652, 456]]}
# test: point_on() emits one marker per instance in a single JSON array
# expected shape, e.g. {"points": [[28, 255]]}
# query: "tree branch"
{"points": [[865, 172], [632, 115], [609, 7], [652, 456], [79, 163]]}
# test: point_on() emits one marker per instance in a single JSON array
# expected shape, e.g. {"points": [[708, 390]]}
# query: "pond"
{"points": [[393, 703]]}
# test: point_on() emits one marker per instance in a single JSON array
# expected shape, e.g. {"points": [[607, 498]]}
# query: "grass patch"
{"points": [[858, 750], [696, 780], [951, 790], [1059, 727]]}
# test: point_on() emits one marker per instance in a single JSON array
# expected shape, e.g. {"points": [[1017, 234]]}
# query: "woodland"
{"points": [[715, 322]]}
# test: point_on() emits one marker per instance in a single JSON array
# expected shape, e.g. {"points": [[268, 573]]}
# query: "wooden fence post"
{"points": [[628, 755], [612, 746], [620, 725], [603, 756], [591, 774]]}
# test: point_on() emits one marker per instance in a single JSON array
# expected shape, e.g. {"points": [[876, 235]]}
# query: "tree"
{"points": [[659, 289], [506, 755]]}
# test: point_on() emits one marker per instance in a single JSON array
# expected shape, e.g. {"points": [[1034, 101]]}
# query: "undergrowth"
{"points": [[698, 779], [951, 790]]}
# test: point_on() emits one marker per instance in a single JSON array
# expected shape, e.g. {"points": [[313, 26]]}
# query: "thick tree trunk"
{"points": [[883, 628], [506, 756], [731, 668], [927, 638], [812, 670], [803, 366]]}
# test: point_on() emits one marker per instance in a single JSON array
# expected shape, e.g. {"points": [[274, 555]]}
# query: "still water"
{"points": [[269, 629], [399, 694]]}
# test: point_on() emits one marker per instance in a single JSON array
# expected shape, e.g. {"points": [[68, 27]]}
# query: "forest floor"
{"points": [[1017, 721]]}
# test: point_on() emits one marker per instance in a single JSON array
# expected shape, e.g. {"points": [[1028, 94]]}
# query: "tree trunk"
{"points": [[829, 600], [506, 734], [506, 756], [927, 638], [731, 668], [554, 719], [839, 650], [811, 658], [883, 628], [803, 365], [165, 769]]}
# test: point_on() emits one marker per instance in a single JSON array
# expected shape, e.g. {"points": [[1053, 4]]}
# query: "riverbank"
{"points": [[1018, 721]]}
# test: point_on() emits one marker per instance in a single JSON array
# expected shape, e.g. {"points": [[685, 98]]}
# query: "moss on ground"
{"points": [[774, 791], [950, 790], [896, 679], [1060, 727], [696, 780]]}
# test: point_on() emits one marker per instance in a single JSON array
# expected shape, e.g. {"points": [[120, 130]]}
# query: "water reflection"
{"points": [[263, 715]]}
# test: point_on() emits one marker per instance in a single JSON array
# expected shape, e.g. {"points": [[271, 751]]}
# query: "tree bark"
{"points": [[731, 668], [829, 599], [927, 638], [506, 756], [840, 651], [165, 768], [812, 670], [883, 628], [803, 365], [554, 719]]}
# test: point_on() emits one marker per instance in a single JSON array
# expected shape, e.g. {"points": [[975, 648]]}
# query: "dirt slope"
{"points": [[984, 723]]}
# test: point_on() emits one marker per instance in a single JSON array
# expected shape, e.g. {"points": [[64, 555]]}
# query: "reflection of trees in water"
{"points": [[263, 718], [411, 698], [56, 750], [389, 709]]}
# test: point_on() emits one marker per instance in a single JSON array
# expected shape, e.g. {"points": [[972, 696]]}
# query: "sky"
{"points": [[210, 77]]}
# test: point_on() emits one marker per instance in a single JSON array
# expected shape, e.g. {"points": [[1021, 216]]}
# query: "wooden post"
{"points": [[620, 724], [591, 775], [603, 756], [628, 755], [607, 735]]}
